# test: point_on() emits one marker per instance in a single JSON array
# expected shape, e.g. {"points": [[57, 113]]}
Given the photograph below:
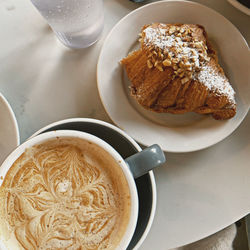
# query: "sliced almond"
{"points": [[149, 63], [151, 48], [159, 67], [172, 30], [181, 65], [167, 62], [175, 60], [201, 57], [207, 58], [182, 30], [160, 55], [182, 74], [192, 59], [185, 60], [155, 53], [184, 80], [198, 45]]}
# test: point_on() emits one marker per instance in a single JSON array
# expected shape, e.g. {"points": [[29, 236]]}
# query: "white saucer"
{"points": [[174, 133], [9, 132]]}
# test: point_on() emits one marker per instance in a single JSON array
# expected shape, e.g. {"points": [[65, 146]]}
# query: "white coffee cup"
{"points": [[149, 158]]}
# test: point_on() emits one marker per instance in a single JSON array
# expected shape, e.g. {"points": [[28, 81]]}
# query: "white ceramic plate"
{"points": [[9, 133], [174, 133]]}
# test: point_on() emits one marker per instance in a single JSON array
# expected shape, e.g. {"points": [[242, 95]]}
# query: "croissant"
{"points": [[176, 71]]}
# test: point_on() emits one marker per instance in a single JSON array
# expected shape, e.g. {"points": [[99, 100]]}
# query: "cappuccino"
{"points": [[65, 193]]}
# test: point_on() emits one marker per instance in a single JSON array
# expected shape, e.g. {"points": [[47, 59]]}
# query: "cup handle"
{"points": [[145, 160]]}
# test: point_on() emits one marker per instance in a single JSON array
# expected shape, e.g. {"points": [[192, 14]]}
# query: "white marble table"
{"points": [[45, 82]]}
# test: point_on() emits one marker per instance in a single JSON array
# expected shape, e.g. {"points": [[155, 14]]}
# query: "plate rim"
{"points": [[134, 143], [117, 123], [240, 7], [12, 117]]}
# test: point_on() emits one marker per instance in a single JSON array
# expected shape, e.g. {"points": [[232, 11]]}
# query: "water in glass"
{"points": [[77, 23]]}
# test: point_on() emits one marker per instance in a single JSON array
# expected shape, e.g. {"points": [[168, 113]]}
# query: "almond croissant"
{"points": [[176, 71]]}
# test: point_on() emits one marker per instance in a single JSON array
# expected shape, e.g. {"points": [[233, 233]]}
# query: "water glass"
{"points": [[76, 23]]}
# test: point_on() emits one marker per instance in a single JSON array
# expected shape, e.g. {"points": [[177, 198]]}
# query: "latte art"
{"points": [[65, 194]]}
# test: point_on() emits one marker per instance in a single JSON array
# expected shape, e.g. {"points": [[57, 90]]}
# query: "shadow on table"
{"points": [[240, 241]]}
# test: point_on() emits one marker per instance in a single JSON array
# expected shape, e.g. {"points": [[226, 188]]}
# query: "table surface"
{"points": [[46, 82]]}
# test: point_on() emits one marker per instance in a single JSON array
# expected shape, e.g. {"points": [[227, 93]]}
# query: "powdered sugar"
{"points": [[186, 53], [158, 38], [216, 82], [181, 47]]}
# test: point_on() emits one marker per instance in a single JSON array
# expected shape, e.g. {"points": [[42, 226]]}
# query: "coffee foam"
{"points": [[64, 193]]}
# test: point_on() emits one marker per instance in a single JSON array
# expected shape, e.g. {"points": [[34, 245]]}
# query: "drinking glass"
{"points": [[76, 23]]}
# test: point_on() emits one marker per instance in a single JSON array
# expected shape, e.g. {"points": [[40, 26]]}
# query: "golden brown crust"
{"points": [[165, 91]]}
